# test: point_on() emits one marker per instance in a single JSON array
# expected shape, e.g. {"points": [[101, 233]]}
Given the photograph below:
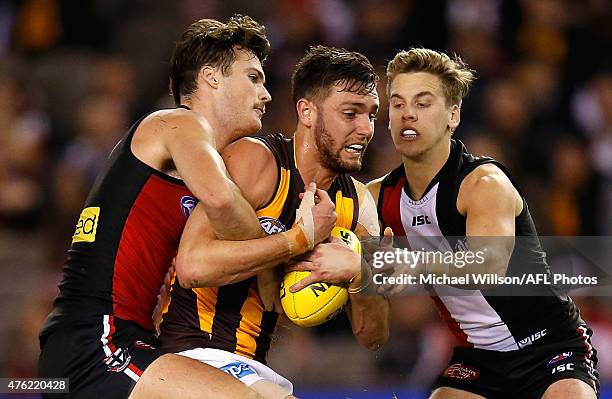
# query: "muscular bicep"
{"points": [[489, 203]]}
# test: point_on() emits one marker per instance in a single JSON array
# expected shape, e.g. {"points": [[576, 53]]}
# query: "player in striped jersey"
{"points": [[223, 322], [511, 346], [100, 333]]}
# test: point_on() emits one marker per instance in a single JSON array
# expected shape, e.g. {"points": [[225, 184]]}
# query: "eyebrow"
{"points": [[424, 93], [420, 94], [360, 105]]}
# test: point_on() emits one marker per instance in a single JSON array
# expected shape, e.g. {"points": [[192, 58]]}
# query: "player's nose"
{"points": [[265, 96], [365, 127]]}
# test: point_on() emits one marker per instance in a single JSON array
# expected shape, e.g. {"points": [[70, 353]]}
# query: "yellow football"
{"points": [[318, 302]]}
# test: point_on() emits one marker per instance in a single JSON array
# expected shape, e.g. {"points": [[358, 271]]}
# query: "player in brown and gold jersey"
{"points": [[222, 321]]}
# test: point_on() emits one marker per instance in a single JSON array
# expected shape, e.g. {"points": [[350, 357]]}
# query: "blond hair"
{"points": [[455, 75]]}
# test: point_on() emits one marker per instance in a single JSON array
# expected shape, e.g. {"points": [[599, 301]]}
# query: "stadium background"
{"points": [[75, 74]]}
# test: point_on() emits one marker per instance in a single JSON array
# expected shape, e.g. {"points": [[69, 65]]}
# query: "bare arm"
{"points": [[183, 140], [369, 314], [204, 260], [490, 204]]}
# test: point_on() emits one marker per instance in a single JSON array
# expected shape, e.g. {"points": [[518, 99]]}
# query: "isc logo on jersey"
{"points": [[87, 225]]}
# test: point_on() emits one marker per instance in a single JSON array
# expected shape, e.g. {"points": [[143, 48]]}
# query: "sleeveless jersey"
{"points": [[232, 317], [124, 242], [500, 323]]}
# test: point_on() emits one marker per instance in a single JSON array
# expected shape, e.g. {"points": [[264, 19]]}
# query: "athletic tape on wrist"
{"points": [[304, 219]]}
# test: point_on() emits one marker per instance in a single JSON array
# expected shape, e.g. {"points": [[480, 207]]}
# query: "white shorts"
{"points": [[247, 371]]}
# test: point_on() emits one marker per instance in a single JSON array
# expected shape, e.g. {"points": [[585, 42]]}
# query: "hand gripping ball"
{"points": [[319, 302]]}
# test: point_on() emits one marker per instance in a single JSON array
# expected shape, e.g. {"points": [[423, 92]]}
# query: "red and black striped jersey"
{"points": [[124, 242]]}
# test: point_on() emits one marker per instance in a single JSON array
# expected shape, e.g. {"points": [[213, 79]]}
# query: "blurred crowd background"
{"points": [[74, 75]]}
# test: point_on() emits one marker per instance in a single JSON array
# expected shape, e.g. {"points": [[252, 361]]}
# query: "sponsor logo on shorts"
{"points": [[238, 369], [559, 357], [271, 225], [187, 204], [531, 339], [87, 226], [462, 371], [118, 361]]}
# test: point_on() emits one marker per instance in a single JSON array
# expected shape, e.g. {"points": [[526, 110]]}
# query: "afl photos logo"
{"points": [[187, 204], [87, 225]]}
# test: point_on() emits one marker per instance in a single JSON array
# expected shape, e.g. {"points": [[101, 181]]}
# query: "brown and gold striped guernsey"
{"points": [[231, 317]]}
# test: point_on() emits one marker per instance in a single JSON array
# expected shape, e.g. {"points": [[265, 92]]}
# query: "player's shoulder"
{"points": [[487, 183], [376, 183], [175, 120], [487, 175], [359, 186], [252, 167], [374, 186], [253, 149]]}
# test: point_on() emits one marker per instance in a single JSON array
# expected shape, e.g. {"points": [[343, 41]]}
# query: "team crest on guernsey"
{"points": [[187, 204], [271, 225]]}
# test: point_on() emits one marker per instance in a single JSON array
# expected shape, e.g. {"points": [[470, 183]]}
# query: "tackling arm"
{"points": [[190, 141], [203, 260]]}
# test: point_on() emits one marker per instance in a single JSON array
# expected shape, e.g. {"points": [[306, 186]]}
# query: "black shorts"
{"points": [[524, 373], [102, 357]]}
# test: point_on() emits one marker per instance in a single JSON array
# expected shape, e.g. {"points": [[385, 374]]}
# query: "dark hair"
{"points": [[210, 42], [322, 67], [454, 73]]}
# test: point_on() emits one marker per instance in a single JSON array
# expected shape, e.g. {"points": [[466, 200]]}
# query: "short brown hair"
{"points": [[210, 42], [322, 67], [455, 74]]}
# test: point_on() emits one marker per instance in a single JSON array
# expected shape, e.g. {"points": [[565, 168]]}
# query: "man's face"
{"points": [[243, 95], [419, 118], [344, 126]]}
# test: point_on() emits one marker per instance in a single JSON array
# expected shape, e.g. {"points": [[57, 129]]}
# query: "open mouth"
{"points": [[409, 134], [354, 148]]}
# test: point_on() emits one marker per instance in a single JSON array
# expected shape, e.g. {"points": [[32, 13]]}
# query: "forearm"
{"points": [[222, 262], [370, 319], [233, 219], [369, 313]]}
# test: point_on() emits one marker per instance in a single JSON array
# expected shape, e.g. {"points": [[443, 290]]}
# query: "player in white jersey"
{"points": [[513, 346]]}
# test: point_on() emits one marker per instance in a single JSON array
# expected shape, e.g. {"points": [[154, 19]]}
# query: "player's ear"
{"points": [[209, 75], [455, 117], [305, 110]]}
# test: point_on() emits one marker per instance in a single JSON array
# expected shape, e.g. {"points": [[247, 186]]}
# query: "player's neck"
{"points": [[421, 170], [222, 137], [308, 162]]}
